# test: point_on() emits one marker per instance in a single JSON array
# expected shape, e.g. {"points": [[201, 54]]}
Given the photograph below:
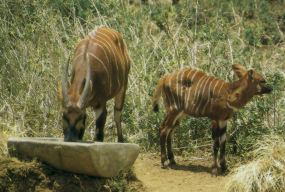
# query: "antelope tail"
{"points": [[156, 96]]}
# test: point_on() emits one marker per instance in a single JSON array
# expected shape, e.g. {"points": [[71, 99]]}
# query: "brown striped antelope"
{"points": [[100, 68], [193, 92]]}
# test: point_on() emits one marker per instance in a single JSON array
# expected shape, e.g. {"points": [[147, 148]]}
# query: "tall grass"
{"points": [[37, 38], [266, 170]]}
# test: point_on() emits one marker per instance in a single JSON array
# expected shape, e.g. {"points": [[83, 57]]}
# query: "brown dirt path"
{"points": [[188, 175]]}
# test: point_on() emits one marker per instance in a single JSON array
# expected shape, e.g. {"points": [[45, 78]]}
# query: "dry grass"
{"points": [[265, 172], [8, 131], [161, 38]]}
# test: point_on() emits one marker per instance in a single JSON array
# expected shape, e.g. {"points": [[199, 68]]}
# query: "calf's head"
{"points": [[254, 81], [73, 113]]}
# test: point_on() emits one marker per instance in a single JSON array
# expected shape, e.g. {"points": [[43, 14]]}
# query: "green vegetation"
{"points": [[37, 37]]}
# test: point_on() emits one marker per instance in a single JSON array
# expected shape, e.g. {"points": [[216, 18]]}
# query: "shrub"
{"points": [[264, 172]]}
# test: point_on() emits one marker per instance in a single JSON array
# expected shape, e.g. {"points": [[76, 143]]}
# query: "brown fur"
{"points": [[106, 53], [193, 92]]}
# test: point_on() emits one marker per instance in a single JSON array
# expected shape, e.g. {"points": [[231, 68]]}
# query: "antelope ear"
{"points": [[239, 70]]}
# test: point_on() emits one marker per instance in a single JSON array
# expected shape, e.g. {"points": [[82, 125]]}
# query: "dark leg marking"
{"points": [[100, 123]]}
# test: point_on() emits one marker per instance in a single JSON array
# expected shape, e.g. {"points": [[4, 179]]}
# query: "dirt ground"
{"points": [[193, 175], [146, 176]]}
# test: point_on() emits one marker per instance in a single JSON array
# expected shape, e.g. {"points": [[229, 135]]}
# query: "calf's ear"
{"points": [[239, 70]]}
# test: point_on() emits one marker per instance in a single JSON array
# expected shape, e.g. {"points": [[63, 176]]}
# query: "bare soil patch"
{"points": [[146, 176], [187, 175]]}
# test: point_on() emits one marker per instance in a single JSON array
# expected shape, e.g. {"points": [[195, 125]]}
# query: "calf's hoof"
{"points": [[163, 159]]}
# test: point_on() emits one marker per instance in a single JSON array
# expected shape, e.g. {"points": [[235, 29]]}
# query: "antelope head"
{"points": [[255, 82], [73, 113]]}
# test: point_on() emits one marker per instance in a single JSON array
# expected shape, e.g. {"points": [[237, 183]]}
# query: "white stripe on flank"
{"points": [[170, 87], [103, 47], [185, 94], [117, 37], [189, 92], [94, 56], [177, 87], [115, 57], [168, 99], [215, 87], [110, 31], [196, 93], [181, 90], [209, 95], [221, 88], [169, 84], [202, 94]]}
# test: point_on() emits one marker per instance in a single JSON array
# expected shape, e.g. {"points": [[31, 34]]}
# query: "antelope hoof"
{"points": [[163, 166], [163, 159], [215, 169]]}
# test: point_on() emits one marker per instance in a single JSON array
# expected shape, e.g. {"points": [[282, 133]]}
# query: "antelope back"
{"points": [[100, 69], [109, 64], [192, 90]]}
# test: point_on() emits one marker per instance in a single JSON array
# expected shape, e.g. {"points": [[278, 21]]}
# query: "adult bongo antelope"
{"points": [[193, 92], [100, 68]]}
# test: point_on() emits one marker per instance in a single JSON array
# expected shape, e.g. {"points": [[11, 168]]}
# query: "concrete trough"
{"points": [[95, 159]]}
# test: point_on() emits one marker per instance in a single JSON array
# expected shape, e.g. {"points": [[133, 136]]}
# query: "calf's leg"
{"points": [[216, 145], [222, 138], [175, 124], [165, 135]]}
